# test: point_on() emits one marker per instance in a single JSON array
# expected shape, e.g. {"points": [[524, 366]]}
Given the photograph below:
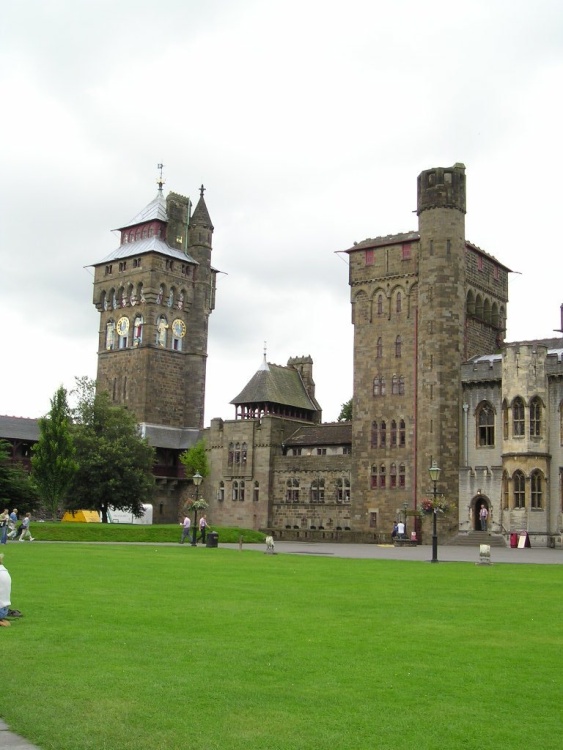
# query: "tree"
{"points": [[195, 460], [53, 465], [115, 462], [16, 490], [345, 412]]}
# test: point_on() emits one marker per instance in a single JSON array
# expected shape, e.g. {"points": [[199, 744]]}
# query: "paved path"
{"points": [[422, 553]]}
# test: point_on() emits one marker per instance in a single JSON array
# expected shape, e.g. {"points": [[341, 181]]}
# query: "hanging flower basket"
{"points": [[428, 505]]}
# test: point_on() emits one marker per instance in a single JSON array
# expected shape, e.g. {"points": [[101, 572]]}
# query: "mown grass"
{"points": [[147, 647], [119, 532]]}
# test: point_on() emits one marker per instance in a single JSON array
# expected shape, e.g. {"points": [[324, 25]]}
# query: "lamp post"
{"points": [[434, 471], [196, 479]]}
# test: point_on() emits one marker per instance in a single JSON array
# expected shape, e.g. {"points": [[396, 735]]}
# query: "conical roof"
{"points": [[201, 214]]}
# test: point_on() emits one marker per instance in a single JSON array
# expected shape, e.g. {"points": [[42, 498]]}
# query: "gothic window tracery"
{"points": [[485, 425]]}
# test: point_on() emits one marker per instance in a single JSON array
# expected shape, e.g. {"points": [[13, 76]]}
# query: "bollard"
{"points": [[240, 543], [484, 554]]}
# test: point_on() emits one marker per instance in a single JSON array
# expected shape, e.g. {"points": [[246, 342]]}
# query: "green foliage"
{"points": [[53, 463], [145, 648], [345, 412], [195, 460], [16, 490], [115, 462]]}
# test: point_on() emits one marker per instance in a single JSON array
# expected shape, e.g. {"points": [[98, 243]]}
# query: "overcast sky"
{"points": [[308, 121]]}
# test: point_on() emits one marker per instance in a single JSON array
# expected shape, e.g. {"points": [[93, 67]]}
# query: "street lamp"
{"points": [[196, 479], [434, 471]]}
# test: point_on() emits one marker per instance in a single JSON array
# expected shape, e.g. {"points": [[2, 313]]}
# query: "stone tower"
{"points": [[155, 293], [422, 303]]}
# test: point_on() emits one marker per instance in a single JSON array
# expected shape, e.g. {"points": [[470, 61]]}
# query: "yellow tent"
{"points": [[82, 516]]}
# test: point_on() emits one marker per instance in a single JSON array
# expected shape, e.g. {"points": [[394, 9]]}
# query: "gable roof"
{"points": [[330, 433]]}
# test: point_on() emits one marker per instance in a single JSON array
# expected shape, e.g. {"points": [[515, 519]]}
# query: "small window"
{"points": [[321, 451], [369, 257], [406, 250]]}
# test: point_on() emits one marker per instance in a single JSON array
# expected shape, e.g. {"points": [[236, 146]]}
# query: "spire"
{"points": [[160, 179], [200, 215], [264, 365]]}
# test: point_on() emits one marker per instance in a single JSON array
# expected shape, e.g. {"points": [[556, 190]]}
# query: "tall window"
{"points": [[518, 417], [373, 476], [343, 490], [379, 348], [399, 302], [519, 486], [505, 420], [402, 434], [505, 492], [535, 418], [382, 476], [393, 475], [401, 385], [398, 345], [393, 434], [383, 434], [221, 492], [379, 386], [292, 491], [536, 489], [374, 434], [256, 492], [380, 304], [237, 453], [318, 491], [231, 454], [402, 475], [243, 453], [485, 425]]}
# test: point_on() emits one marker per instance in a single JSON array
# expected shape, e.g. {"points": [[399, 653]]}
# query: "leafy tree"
{"points": [[346, 412], [115, 462], [195, 460], [16, 490], [53, 464], [84, 394]]}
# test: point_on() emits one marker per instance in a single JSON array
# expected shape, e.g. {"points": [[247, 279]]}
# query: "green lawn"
{"points": [[146, 647]]}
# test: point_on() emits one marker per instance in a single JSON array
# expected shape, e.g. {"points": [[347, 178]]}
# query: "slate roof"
{"points": [[274, 384], [201, 215], [330, 433], [147, 245], [176, 438], [19, 428], [156, 209]]}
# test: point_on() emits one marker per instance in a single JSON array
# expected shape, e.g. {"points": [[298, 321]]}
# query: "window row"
{"points": [[393, 434], [317, 491], [344, 450], [398, 347], [520, 494], [121, 334], [406, 252], [239, 491], [379, 478], [135, 295], [480, 307], [397, 385], [237, 454], [514, 421], [142, 233]]}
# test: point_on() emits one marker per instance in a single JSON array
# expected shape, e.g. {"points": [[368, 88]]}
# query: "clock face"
{"points": [[123, 326], [179, 328]]}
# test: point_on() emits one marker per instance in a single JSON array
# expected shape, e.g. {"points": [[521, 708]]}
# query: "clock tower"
{"points": [[155, 293]]}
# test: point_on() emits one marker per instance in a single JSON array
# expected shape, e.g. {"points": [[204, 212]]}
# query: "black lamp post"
{"points": [[196, 479], [434, 476]]}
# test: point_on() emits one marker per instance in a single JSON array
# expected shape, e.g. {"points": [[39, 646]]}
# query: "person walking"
{"points": [[25, 528], [5, 594], [202, 528], [4, 520], [185, 528], [12, 524]]}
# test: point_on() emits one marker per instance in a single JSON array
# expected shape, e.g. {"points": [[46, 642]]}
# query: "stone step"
{"points": [[475, 538]]}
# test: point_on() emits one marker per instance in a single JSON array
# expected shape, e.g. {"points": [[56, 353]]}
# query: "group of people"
{"points": [[9, 528], [186, 525], [398, 530]]}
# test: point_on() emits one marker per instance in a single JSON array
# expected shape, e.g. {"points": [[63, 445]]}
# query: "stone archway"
{"points": [[476, 504]]}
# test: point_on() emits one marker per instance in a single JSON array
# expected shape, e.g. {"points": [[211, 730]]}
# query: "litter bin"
{"points": [[212, 539], [514, 541]]}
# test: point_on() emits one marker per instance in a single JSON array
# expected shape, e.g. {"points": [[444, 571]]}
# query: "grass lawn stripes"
{"points": [[128, 647]]}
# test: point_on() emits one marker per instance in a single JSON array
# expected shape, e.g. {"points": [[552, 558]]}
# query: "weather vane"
{"points": [[160, 180]]}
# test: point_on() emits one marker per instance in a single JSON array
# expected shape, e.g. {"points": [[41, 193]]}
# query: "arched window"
{"points": [[241, 490], [243, 453], [170, 301], [517, 417], [378, 386], [160, 295], [536, 489], [398, 346], [180, 300], [535, 418], [374, 475], [379, 348], [237, 453], [231, 457], [382, 475], [505, 491], [505, 420], [393, 475], [395, 385], [383, 434], [485, 425], [235, 494], [374, 434], [256, 492], [380, 304], [519, 488], [221, 492], [399, 302], [393, 434], [402, 475], [131, 295], [401, 385], [402, 434]]}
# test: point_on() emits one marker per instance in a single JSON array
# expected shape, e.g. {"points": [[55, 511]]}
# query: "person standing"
{"points": [[203, 528], [185, 528], [12, 524], [4, 520], [5, 594], [25, 528], [483, 516]]}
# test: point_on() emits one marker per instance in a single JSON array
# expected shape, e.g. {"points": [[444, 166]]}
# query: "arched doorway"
{"points": [[476, 504]]}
